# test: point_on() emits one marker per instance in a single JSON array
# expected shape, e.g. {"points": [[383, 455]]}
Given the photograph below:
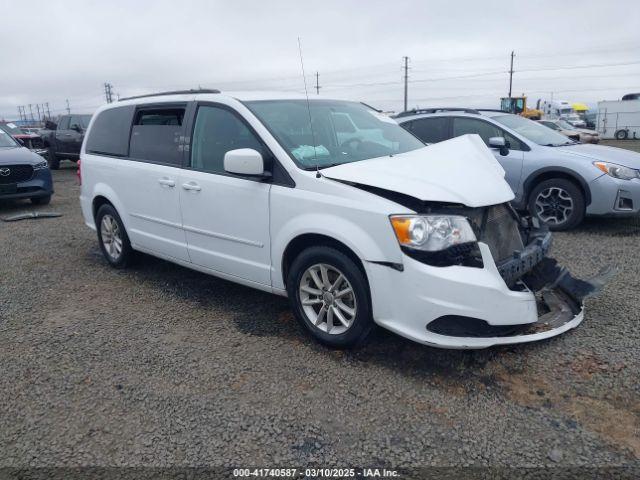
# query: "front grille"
{"points": [[501, 233], [15, 173]]}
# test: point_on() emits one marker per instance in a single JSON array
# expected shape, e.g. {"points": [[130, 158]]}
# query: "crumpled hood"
{"points": [[461, 170], [17, 156], [593, 152]]}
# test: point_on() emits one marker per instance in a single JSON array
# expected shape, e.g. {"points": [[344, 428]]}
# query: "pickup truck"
{"points": [[65, 140]]}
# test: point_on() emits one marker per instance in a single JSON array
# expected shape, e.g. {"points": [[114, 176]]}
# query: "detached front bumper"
{"points": [[470, 308]]}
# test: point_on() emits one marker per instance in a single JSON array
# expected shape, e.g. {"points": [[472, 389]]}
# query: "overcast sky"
{"points": [[52, 50]]}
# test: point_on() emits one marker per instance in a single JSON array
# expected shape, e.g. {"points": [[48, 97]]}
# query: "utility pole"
{"points": [[38, 110], [30, 114], [406, 82], [108, 92], [20, 112], [318, 83], [68, 108], [48, 111], [511, 73]]}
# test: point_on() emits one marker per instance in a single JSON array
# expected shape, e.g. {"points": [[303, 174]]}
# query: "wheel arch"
{"points": [[548, 173], [306, 240]]}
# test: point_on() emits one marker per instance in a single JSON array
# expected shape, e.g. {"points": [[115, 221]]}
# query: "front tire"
{"points": [[329, 295], [557, 202], [112, 237]]}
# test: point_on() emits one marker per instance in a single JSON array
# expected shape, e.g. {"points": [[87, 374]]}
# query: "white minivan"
{"points": [[332, 204]]}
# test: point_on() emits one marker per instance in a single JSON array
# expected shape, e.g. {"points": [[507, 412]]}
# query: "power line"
{"points": [[108, 92], [511, 74], [406, 82]]}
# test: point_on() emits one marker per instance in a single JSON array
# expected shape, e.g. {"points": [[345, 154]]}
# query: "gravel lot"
{"points": [[158, 365]]}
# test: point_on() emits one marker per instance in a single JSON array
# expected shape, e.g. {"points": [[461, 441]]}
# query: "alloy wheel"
{"points": [[111, 236], [327, 299], [554, 205]]}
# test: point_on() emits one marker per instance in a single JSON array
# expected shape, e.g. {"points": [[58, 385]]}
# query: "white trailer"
{"points": [[560, 109], [619, 119]]}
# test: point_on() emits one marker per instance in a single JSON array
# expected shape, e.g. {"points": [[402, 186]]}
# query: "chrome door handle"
{"points": [[191, 186], [167, 182]]}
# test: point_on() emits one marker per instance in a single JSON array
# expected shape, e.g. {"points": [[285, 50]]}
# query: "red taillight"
{"points": [[79, 173]]}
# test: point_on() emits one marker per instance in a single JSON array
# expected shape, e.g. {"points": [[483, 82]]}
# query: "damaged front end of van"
{"points": [[474, 272]]}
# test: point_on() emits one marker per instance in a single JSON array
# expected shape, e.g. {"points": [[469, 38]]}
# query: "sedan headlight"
{"points": [[432, 233], [41, 166], [617, 171]]}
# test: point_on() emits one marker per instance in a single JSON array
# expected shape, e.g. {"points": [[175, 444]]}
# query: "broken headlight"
{"points": [[438, 240], [432, 233]]}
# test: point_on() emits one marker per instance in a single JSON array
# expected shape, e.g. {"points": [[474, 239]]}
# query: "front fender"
{"points": [[368, 242]]}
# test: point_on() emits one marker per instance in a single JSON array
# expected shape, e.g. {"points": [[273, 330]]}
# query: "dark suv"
{"points": [[65, 140], [23, 174]]}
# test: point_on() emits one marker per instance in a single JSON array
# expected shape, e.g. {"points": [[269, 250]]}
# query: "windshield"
{"points": [[566, 125], [342, 132], [84, 120], [533, 131], [6, 140]]}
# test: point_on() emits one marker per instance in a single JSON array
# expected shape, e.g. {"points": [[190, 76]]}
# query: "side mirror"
{"points": [[76, 127], [20, 141], [501, 144], [244, 161]]}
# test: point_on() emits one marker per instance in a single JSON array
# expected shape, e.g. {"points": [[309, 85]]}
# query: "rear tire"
{"points": [[557, 202], [322, 278], [41, 200], [52, 159], [112, 237]]}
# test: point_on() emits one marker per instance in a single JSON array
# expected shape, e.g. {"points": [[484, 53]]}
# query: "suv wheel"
{"points": [[112, 237], [557, 202], [52, 160], [329, 295]]}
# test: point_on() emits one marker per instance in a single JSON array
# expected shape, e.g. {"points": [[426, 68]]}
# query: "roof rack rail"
{"points": [[417, 111], [493, 110], [174, 92]]}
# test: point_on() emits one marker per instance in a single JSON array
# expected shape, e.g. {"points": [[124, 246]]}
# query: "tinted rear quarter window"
{"points": [[431, 130], [109, 134], [63, 124], [155, 135]]}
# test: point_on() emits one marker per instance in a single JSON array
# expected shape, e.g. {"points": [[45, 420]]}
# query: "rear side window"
{"points": [[431, 130], [155, 135], [109, 134], [486, 130], [64, 123]]}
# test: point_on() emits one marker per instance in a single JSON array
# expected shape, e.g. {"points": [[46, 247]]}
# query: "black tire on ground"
{"points": [[52, 159], [571, 190], [362, 323], [126, 254], [622, 134], [41, 200]]}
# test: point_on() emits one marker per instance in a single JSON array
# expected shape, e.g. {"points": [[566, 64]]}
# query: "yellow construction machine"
{"points": [[518, 106]]}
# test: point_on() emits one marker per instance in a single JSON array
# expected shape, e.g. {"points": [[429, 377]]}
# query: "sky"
{"points": [[580, 51]]}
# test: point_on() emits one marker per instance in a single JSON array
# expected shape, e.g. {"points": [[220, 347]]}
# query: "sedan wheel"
{"points": [[327, 299]]}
